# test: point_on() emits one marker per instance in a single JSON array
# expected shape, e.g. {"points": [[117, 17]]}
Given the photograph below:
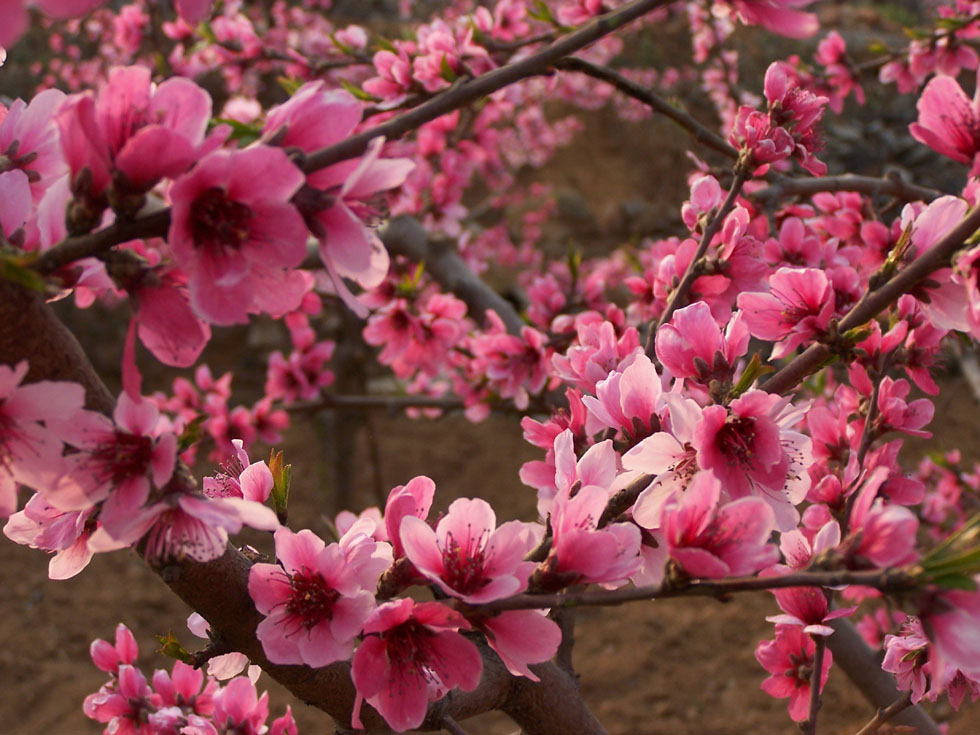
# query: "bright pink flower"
{"points": [[949, 122], [15, 203], [808, 608], [412, 655], [29, 453], [107, 657], [236, 234], [135, 128], [515, 366], [789, 660], [239, 708], [313, 601], [798, 308], [183, 687], [692, 346], [193, 11], [14, 18], [413, 499], [467, 556], [123, 707], [520, 638], [596, 352], [394, 78], [240, 478], [752, 455], [347, 248], [951, 619], [284, 725], [712, 540]]}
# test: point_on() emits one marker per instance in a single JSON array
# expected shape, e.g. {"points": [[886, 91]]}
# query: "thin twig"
{"points": [[701, 133], [451, 726], [720, 588], [885, 714], [889, 185], [679, 297], [485, 84]]}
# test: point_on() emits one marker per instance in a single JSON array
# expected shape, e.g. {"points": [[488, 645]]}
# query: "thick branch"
{"points": [[405, 236], [700, 133]]}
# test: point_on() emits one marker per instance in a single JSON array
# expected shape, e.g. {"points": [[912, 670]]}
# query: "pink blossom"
{"points": [[789, 660], [29, 141], [347, 248], [394, 78], [581, 551], [514, 366], [690, 345], [183, 687], [808, 608], [236, 234], [107, 656], [798, 308], [520, 638], [227, 665], [413, 499], [29, 453], [118, 458], [712, 540], [949, 122], [135, 128], [314, 603], [64, 533], [412, 654], [951, 619], [239, 708], [467, 556], [628, 401], [240, 478], [778, 16], [596, 352], [907, 657], [125, 706]]}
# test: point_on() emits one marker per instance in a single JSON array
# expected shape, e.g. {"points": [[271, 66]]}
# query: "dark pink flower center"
{"points": [[465, 565], [409, 650], [736, 440], [312, 599], [218, 223], [125, 455]]}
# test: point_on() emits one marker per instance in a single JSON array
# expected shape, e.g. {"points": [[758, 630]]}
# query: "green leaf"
{"points": [[955, 582], [358, 92], [384, 44], [289, 84], [281, 478], [170, 646], [446, 71], [244, 133], [13, 268], [191, 434], [754, 370]]}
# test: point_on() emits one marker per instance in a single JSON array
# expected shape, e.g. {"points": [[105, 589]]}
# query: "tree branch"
{"points": [[890, 185], [405, 236], [885, 714], [701, 134]]}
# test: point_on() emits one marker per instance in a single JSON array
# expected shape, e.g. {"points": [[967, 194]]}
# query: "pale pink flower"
{"points": [[236, 234], [628, 400], [467, 556], [29, 141], [394, 78], [240, 709], [117, 458], [64, 533], [951, 619], [712, 540], [515, 367], [520, 638], [29, 452], [789, 659], [313, 601], [778, 16], [123, 707], [907, 657], [411, 655]]}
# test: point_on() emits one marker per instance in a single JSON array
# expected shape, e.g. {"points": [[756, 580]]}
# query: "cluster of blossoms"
{"points": [[182, 700], [671, 462]]}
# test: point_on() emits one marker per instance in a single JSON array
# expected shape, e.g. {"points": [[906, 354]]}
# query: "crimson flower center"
{"points": [[125, 455], [736, 440], [466, 565], [218, 223], [312, 599]]}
